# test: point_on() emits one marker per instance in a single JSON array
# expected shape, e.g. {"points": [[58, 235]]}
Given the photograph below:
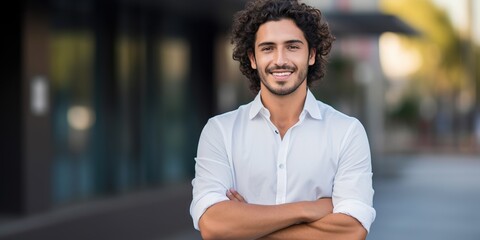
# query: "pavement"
{"points": [[427, 197], [187, 235]]}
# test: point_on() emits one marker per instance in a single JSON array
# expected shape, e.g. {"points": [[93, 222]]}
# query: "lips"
{"points": [[281, 74]]}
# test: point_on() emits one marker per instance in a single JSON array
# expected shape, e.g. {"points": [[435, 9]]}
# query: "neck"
{"points": [[284, 110]]}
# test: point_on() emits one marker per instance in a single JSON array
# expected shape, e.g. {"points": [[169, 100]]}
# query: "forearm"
{"points": [[331, 227], [240, 220]]}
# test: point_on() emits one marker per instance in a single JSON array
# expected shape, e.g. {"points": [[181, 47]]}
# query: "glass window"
{"points": [[121, 105]]}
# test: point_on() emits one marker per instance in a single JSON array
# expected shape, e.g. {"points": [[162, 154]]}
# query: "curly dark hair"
{"points": [[308, 19]]}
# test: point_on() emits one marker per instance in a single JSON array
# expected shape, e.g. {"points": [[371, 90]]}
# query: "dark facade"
{"points": [[103, 99]]}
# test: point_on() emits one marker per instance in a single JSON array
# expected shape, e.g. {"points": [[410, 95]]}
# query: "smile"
{"points": [[281, 74]]}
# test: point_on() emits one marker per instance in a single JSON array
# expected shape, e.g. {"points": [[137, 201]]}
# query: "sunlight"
{"points": [[397, 61]]}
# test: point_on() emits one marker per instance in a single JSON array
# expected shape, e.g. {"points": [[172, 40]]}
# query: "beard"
{"points": [[283, 88]]}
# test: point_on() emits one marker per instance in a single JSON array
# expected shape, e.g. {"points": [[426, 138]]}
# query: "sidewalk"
{"points": [[431, 197]]}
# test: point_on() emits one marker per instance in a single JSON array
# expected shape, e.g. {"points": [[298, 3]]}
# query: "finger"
{"points": [[237, 195], [231, 196]]}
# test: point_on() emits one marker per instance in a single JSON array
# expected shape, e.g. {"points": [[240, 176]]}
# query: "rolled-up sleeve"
{"points": [[213, 175], [352, 189]]}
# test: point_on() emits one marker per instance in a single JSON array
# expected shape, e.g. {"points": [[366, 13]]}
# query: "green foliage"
{"points": [[445, 56], [407, 111]]}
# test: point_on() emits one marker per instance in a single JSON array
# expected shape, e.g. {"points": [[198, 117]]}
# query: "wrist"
{"points": [[307, 212], [315, 210]]}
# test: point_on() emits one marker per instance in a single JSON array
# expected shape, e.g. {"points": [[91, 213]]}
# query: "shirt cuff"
{"points": [[199, 207], [362, 212]]}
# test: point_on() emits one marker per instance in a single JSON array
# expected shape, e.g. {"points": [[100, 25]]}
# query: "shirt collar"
{"points": [[256, 107], [311, 106]]}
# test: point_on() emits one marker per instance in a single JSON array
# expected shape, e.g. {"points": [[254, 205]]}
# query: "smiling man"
{"points": [[285, 166]]}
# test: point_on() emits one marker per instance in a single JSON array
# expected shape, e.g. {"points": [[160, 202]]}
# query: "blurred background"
{"points": [[103, 102]]}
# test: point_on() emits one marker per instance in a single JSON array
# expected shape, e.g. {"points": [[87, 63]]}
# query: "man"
{"points": [[284, 166]]}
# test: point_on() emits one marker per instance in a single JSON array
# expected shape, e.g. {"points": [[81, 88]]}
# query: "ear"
{"points": [[253, 62], [311, 56]]}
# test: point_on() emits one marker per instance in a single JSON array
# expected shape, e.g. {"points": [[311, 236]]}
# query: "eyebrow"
{"points": [[287, 42]]}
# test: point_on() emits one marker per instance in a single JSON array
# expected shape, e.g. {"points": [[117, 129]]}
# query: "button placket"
{"points": [[281, 170]]}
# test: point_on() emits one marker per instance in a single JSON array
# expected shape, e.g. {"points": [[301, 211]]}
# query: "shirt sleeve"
{"points": [[352, 189], [213, 175]]}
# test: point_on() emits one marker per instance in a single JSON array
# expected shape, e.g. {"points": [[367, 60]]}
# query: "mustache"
{"points": [[281, 67]]}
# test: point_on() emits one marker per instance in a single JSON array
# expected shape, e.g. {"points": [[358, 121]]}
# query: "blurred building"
{"points": [[103, 102]]}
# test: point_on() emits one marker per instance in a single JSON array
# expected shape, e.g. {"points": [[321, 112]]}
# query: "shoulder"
{"points": [[347, 130], [325, 113], [338, 122], [228, 119], [332, 115]]}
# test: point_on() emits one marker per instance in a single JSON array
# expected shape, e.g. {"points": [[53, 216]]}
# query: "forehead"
{"points": [[279, 31]]}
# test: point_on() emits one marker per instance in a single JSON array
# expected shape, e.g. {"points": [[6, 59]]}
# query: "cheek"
{"points": [[261, 64]]}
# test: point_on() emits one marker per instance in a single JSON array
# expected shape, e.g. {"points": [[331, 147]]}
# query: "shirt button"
{"points": [[276, 131], [280, 166]]}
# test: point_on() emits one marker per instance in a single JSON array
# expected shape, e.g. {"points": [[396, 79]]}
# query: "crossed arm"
{"points": [[237, 219]]}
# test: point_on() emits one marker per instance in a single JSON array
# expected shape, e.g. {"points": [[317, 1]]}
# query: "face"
{"points": [[281, 57]]}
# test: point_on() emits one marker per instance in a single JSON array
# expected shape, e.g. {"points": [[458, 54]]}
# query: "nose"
{"points": [[281, 57]]}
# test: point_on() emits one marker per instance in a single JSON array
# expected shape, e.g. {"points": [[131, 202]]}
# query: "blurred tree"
{"points": [[444, 74], [438, 43]]}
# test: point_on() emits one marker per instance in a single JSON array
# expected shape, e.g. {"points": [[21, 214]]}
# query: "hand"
{"points": [[233, 195], [314, 210], [318, 209]]}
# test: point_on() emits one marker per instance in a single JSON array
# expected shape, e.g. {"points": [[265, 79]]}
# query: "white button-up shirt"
{"points": [[325, 154]]}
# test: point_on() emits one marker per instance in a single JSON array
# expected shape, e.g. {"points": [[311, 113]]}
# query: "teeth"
{"points": [[281, 74]]}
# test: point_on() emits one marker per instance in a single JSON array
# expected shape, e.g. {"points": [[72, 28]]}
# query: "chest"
{"points": [[301, 166]]}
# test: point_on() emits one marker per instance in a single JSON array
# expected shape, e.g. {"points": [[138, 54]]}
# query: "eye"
{"points": [[293, 47], [266, 49]]}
